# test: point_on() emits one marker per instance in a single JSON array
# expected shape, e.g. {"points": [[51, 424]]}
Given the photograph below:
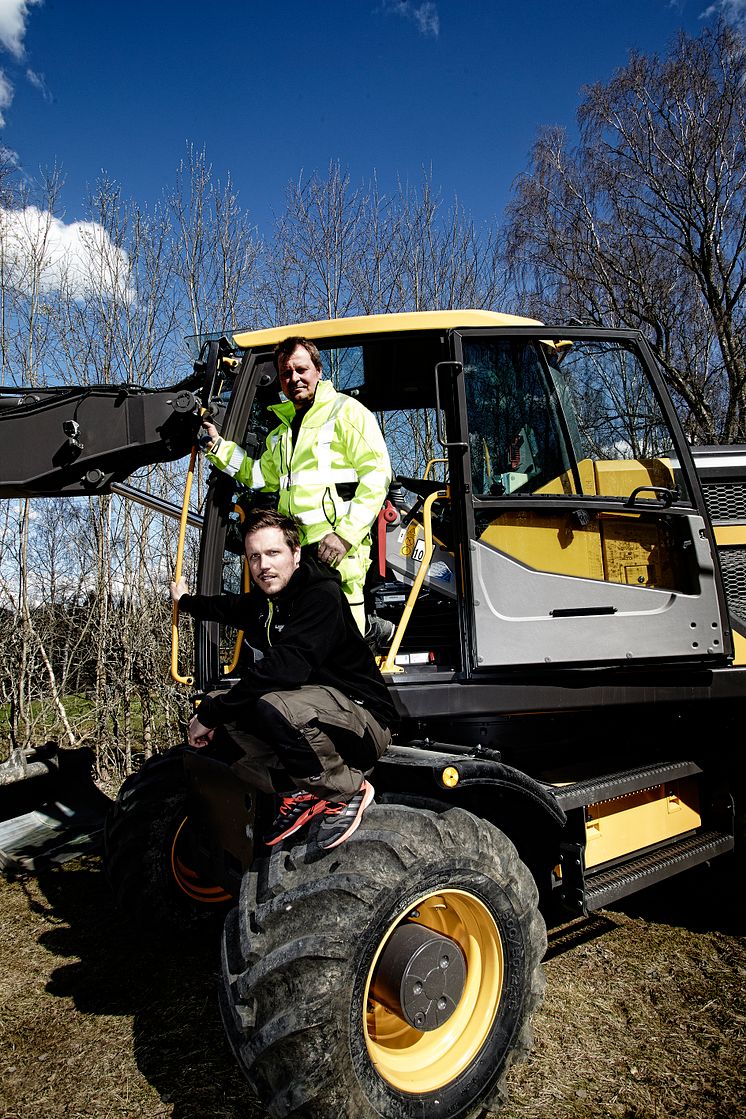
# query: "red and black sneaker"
{"points": [[340, 819], [296, 811]]}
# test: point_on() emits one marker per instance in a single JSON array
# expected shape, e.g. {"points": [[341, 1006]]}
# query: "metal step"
{"points": [[607, 886], [610, 785]]}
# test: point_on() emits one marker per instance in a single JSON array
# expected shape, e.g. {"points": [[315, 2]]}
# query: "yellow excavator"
{"points": [[565, 579]]}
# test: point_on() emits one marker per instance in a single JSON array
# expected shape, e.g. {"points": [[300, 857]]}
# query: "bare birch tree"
{"points": [[340, 250], [214, 250], [644, 223]]}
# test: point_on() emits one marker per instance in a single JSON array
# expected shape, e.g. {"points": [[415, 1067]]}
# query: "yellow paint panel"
{"points": [[730, 534], [618, 548], [638, 552], [618, 478], [561, 485], [613, 478], [615, 547], [548, 543], [565, 483], [739, 655], [631, 823]]}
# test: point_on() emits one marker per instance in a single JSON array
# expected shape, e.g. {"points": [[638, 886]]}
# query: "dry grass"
{"points": [[96, 1025], [645, 1014]]}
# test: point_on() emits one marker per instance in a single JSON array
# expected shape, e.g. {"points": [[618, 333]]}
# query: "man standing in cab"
{"points": [[327, 460]]}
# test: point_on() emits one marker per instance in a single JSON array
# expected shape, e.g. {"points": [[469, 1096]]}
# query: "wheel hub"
{"points": [[420, 976]]}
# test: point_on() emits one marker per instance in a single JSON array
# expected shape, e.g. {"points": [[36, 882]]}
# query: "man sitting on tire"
{"points": [[311, 713]]}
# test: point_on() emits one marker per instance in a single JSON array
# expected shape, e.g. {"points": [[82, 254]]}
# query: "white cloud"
{"points": [[6, 96], [13, 17], [424, 14], [733, 11], [38, 82], [79, 258]]}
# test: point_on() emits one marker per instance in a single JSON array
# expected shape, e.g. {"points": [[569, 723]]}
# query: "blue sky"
{"points": [[274, 91]]}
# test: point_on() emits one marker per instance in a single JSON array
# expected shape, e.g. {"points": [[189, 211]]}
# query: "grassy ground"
{"points": [[645, 1015]]}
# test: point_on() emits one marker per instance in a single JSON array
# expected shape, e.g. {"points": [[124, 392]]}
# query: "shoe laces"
{"points": [[336, 808], [291, 802]]}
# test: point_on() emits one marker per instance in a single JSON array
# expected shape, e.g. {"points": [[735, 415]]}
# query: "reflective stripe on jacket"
{"points": [[339, 444]]}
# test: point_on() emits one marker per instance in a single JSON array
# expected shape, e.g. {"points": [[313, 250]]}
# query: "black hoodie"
{"points": [[306, 634]]}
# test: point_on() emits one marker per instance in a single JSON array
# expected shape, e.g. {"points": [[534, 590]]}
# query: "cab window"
{"points": [[557, 418]]}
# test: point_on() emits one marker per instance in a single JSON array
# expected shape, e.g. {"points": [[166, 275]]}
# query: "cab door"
{"points": [[588, 540]]}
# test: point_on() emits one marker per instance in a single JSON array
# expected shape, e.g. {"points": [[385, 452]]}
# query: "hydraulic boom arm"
{"points": [[78, 441]]}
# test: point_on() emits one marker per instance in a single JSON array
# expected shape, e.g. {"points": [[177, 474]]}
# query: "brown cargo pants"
{"points": [[324, 742]]}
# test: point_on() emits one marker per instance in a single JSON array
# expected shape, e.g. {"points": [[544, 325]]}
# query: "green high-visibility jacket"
{"points": [[339, 445]]}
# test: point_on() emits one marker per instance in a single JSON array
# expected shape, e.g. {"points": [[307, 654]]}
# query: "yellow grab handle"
{"points": [[175, 674], [430, 464], [389, 662]]}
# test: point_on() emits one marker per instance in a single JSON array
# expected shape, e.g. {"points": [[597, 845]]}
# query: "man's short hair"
{"points": [[288, 345], [270, 518]]}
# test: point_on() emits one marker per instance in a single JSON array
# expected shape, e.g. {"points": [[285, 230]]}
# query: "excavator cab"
{"points": [[545, 512]]}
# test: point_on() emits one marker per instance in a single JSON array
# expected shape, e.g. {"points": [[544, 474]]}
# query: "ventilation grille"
{"points": [[726, 501], [733, 564]]}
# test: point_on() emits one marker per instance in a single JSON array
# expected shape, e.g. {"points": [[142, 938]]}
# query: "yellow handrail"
{"points": [[175, 674], [389, 663], [430, 464]]}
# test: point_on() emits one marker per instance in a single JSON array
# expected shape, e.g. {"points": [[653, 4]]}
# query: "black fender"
{"points": [[443, 772], [442, 775]]}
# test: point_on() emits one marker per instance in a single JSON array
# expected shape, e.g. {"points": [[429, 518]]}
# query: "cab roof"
{"points": [[378, 324]]}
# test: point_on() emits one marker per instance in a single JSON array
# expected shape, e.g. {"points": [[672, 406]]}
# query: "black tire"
{"points": [[299, 954], [146, 851]]}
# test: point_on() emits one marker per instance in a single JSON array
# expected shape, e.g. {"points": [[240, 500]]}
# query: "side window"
{"points": [[232, 583], [345, 368], [558, 417], [410, 433], [261, 420], [622, 440]]}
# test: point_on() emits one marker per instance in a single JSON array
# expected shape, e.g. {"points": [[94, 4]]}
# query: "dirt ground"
{"points": [[645, 1014]]}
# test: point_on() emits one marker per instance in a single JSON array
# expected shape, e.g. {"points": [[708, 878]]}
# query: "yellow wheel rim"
{"points": [[412, 1061], [188, 879]]}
